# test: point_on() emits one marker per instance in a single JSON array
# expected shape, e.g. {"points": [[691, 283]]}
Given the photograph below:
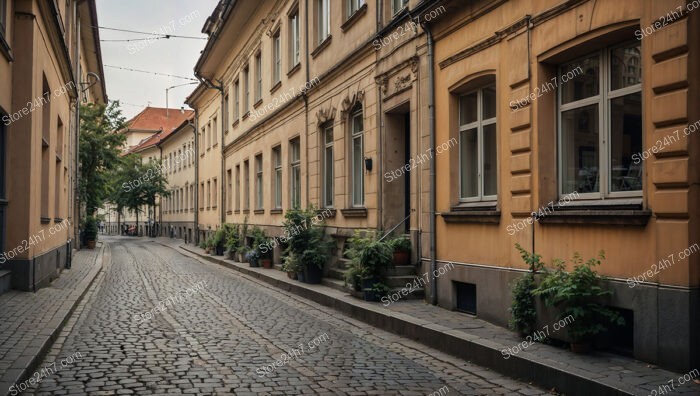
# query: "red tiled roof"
{"points": [[155, 119], [158, 137]]}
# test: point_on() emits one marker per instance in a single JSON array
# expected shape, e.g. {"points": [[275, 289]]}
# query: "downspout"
{"points": [[431, 121], [380, 123], [160, 207], [306, 105], [77, 205], [222, 182]]}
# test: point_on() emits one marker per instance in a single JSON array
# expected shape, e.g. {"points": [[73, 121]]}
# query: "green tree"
{"points": [[100, 148], [137, 184]]}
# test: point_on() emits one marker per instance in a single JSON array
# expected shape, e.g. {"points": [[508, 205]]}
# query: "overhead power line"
{"points": [[151, 72], [138, 39], [150, 33]]}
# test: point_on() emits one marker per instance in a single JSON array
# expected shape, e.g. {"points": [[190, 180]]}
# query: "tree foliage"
{"points": [[100, 148]]}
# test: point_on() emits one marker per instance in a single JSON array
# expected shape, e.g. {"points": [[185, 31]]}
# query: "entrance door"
{"points": [[398, 167]]}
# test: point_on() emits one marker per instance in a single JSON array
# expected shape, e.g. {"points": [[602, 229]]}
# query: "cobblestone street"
{"points": [[157, 321]]}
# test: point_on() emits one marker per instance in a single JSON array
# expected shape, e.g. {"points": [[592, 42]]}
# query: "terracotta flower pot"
{"points": [[266, 262], [291, 274], [401, 257], [91, 243]]}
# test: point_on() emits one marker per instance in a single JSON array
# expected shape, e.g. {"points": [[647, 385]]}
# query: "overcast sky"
{"points": [[175, 56]]}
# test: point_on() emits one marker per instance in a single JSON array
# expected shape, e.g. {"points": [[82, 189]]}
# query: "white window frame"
{"points": [[327, 180], [294, 39], [324, 20], [352, 6], [246, 87], [258, 76], [479, 124], [355, 135], [276, 57], [260, 200], [236, 100], [397, 6], [277, 158], [295, 167], [602, 100]]}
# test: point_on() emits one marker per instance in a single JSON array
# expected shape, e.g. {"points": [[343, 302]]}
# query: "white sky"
{"points": [[171, 56]]}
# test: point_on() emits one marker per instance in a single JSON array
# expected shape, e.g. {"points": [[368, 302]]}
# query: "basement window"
{"points": [[466, 297]]}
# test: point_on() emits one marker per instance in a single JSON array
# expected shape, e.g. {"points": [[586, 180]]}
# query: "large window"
{"points": [[259, 199], [246, 90], [357, 156], [324, 20], [236, 100], [294, 38], [276, 58], [327, 173], [238, 187], [295, 176], [229, 191], [258, 76], [246, 185], [353, 6], [277, 158], [477, 145], [600, 124], [398, 5], [224, 118]]}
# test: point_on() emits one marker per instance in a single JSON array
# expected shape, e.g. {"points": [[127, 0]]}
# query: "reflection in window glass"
{"points": [[625, 141], [586, 82], [580, 154]]}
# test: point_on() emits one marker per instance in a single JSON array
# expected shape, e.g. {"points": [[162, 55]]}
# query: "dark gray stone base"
{"points": [[35, 273]]}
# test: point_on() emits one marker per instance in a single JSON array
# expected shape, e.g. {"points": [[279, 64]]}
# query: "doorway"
{"points": [[398, 167]]}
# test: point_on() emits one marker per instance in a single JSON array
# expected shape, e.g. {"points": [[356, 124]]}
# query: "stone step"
{"points": [[335, 284], [411, 294], [401, 270], [336, 273], [402, 281], [5, 280]]}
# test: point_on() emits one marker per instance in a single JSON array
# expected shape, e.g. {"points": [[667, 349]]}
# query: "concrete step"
{"points": [[396, 293], [402, 281], [5, 280], [335, 284], [336, 273], [401, 270]]}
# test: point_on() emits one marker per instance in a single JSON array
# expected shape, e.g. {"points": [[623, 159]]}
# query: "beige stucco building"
{"points": [[50, 62]]}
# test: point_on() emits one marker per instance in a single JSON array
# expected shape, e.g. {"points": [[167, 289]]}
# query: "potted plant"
{"points": [[290, 265], [578, 295], [233, 240], [259, 240], [90, 232], [370, 257], [208, 245], [308, 241], [401, 247], [252, 257], [523, 307], [219, 241]]}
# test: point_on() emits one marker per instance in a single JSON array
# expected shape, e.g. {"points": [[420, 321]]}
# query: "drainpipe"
{"points": [[222, 181], [431, 121], [76, 207], [196, 177], [160, 207], [380, 135], [306, 105]]}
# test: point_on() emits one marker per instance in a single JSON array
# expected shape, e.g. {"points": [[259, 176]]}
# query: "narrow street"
{"points": [[158, 321]]}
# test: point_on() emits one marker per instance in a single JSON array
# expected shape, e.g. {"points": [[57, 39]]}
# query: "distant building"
{"points": [[50, 63]]}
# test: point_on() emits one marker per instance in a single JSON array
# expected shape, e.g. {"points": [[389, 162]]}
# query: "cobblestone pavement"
{"points": [[160, 322]]}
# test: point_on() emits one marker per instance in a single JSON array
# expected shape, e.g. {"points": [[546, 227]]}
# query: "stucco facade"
{"points": [[581, 149], [45, 55]]}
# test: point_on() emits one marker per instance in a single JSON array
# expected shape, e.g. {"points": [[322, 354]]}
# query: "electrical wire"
{"points": [[151, 72], [149, 33], [138, 39]]}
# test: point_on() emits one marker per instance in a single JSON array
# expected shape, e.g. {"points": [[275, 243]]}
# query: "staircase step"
{"points": [[404, 281], [401, 270], [5, 280], [335, 273], [412, 293], [335, 284]]}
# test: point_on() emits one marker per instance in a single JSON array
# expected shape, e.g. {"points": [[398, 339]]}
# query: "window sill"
{"points": [[237, 211], [257, 103], [354, 212], [247, 113], [57, 219], [276, 211], [275, 86], [259, 211], [623, 212], [354, 18], [328, 213], [473, 212], [45, 220], [215, 144], [294, 69], [5, 49], [246, 211], [321, 46], [228, 212], [235, 123]]}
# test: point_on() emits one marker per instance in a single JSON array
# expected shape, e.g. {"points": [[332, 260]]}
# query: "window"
{"points": [[209, 137], [238, 187], [327, 158], [477, 145], [208, 194], [277, 158], [202, 138], [214, 195], [246, 92], [600, 124], [201, 196], [358, 157], [236, 101], [224, 118], [214, 132], [45, 153], [229, 191], [295, 164], [246, 185], [276, 58], [398, 5], [324, 20], [294, 38], [258, 77], [259, 182], [3, 16], [353, 6], [58, 171]]}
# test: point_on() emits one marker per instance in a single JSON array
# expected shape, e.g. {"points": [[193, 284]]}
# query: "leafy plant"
{"points": [[259, 239], [219, 238], [306, 238], [90, 228], [400, 244], [578, 294], [233, 237], [291, 263], [369, 258], [523, 309], [252, 256]]}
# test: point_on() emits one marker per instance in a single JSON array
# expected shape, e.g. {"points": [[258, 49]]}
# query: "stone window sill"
{"points": [[330, 213], [623, 212], [294, 69], [276, 211], [321, 46], [259, 211], [354, 18], [354, 212]]}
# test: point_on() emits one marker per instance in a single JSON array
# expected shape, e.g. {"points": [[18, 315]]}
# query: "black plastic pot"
{"points": [[300, 276], [367, 293], [313, 274], [220, 250]]}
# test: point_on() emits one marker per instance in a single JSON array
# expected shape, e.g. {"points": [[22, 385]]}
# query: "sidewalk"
{"points": [[480, 342], [30, 322]]}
